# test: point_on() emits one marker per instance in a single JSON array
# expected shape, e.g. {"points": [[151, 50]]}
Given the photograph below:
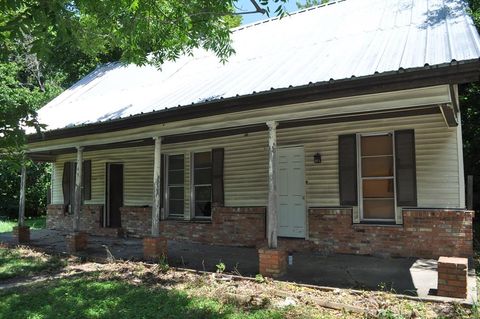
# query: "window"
{"points": [[175, 186], [202, 184], [377, 178]]}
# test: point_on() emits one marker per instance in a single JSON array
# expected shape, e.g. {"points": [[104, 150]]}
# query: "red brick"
{"points": [[272, 262], [155, 248], [77, 241], [21, 234]]}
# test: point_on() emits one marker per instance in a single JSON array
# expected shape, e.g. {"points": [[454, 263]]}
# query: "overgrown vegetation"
{"points": [[23, 261], [138, 290]]}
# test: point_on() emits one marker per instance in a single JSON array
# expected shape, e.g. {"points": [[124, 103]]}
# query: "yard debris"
{"points": [[287, 302], [301, 301]]}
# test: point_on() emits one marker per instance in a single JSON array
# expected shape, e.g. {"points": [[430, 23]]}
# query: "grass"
{"points": [[21, 262], [33, 222], [90, 298]]}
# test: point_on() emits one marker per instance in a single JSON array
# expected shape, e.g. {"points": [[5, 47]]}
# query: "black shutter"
{"points": [[87, 180], [217, 176], [347, 169], [162, 181], [66, 182], [405, 168]]}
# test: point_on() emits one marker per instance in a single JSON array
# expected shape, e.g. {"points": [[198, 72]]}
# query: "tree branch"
{"points": [[257, 7]]}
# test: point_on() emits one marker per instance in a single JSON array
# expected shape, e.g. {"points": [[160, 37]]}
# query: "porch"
{"points": [[408, 276]]}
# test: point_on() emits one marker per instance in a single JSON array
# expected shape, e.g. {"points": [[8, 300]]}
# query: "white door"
{"points": [[291, 192]]}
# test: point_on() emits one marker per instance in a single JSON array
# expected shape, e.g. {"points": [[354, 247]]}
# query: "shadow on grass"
{"points": [[89, 298], [21, 262]]}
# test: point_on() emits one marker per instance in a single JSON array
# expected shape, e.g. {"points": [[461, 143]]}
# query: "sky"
{"points": [[246, 5]]}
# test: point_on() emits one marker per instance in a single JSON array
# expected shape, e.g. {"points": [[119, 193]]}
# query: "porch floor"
{"points": [[410, 276]]}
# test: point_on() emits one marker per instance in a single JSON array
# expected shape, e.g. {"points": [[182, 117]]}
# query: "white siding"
{"points": [[246, 163]]}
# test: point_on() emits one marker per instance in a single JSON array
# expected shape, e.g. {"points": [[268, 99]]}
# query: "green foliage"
{"points": [[88, 297], [220, 267], [233, 21], [259, 278], [18, 101], [24, 262], [160, 30], [163, 265], [37, 184], [310, 3], [469, 104], [33, 222]]}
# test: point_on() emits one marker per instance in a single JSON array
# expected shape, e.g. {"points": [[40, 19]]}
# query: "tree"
{"points": [[469, 95], [46, 46], [310, 3], [69, 38]]}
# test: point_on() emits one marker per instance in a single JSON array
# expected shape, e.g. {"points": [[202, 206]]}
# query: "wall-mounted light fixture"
{"points": [[317, 158]]}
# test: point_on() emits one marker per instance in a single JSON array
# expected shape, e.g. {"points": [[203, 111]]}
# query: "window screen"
{"points": [[202, 184], [377, 177], [175, 185]]}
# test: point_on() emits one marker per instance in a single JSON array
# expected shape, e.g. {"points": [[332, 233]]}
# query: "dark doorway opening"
{"points": [[114, 195]]}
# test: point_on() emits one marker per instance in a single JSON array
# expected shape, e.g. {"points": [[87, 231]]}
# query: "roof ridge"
{"points": [[256, 23]]}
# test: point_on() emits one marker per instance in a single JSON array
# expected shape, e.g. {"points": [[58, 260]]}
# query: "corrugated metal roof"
{"points": [[349, 38]]}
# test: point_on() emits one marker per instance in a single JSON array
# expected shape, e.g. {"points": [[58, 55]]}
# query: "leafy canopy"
{"points": [[147, 31]]}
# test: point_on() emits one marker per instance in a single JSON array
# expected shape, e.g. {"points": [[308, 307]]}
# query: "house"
{"points": [[336, 129]]}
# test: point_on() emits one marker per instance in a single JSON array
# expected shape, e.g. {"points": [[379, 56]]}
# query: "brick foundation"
{"points": [[425, 233], [154, 248], [77, 241], [452, 277], [272, 262], [21, 234], [136, 221], [90, 220], [233, 226]]}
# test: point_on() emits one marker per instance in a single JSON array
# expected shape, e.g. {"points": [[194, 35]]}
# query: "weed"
{"points": [[163, 265], [259, 278], [220, 267], [389, 314]]}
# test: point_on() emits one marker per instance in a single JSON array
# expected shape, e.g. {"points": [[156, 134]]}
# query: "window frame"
{"points": [[360, 178], [192, 185], [166, 191]]}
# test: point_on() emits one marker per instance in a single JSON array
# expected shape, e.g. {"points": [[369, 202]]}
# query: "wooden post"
{"points": [[156, 187], [272, 186], [78, 190], [21, 204], [470, 192]]}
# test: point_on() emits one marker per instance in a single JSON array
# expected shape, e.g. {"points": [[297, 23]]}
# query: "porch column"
{"points": [[272, 260], [272, 186], [21, 233], [78, 190], [77, 241], [157, 178], [155, 246]]}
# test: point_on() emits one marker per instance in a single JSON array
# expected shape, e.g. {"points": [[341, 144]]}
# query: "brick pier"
{"points": [[452, 277], [272, 262]]}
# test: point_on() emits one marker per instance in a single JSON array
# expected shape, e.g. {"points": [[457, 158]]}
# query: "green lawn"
{"points": [[22, 261], [87, 297], [34, 223]]}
